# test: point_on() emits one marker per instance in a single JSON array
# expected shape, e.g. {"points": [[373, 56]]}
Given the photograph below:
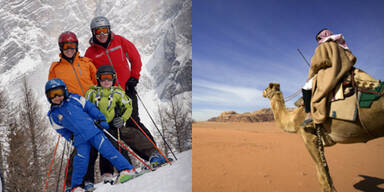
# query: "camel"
{"points": [[368, 126]]}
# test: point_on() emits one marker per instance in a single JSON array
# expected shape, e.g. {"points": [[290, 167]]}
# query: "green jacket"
{"points": [[107, 99]]}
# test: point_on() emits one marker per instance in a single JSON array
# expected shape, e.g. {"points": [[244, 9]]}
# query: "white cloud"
{"points": [[225, 95]]}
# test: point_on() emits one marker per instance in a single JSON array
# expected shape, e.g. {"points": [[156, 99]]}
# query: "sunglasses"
{"points": [[55, 92], [101, 31], [104, 77], [69, 46]]}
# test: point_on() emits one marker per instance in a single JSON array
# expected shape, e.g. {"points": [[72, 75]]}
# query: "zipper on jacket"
{"points": [[78, 80], [110, 60], [78, 64]]}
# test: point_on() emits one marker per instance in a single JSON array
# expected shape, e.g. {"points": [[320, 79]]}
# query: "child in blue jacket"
{"points": [[74, 118]]}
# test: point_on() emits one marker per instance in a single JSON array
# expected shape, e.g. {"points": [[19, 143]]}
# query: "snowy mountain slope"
{"points": [[171, 178], [160, 29]]}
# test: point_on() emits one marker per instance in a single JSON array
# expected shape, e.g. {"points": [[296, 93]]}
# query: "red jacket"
{"points": [[116, 54]]}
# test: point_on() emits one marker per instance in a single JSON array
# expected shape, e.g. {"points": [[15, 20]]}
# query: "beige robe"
{"points": [[329, 64]]}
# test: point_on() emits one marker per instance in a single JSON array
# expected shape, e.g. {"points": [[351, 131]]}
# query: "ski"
{"points": [[143, 171]]}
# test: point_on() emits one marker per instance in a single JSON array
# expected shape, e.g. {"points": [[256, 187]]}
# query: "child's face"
{"points": [[106, 83], [57, 100]]}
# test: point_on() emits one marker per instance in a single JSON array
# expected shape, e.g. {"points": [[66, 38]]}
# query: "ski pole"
{"points": [[50, 167], [61, 166], [66, 170], [2, 182], [156, 126], [122, 144], [150, 140], [118, 137]]}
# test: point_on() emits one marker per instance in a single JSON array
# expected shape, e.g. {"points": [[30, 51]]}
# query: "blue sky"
{"points": [[240, 46]]}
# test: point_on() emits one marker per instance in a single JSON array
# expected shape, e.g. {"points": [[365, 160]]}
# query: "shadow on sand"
{"points": [[369, 184]]}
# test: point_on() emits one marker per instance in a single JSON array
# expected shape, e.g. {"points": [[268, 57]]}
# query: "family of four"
{"points": [[86, 92]]}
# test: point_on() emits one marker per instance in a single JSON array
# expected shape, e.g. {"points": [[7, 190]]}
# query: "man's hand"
{"points": [[131, 84]]}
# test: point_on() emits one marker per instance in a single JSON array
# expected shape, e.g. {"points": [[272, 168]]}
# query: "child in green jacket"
{"points": [[117, 108]]}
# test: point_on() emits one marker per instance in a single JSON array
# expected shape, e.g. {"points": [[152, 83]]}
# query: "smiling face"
{"points": [[69, 52], [102, 38], [57, 100], [101, 33], [106, 83]]}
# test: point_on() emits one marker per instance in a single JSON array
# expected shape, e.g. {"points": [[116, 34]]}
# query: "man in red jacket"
{"points": [[111, 49], [108, 48]]}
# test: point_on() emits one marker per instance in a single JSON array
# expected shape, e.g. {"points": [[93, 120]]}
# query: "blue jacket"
{"points": [[75, 116]]}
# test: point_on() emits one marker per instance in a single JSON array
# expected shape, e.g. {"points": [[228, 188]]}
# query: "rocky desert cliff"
{"points": [[264, 114]]}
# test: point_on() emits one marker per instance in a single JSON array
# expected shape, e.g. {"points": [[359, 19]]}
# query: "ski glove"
{"points": [[131, 84], [118, 122]]}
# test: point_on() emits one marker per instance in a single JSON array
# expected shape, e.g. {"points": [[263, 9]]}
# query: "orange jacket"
{"points": [[83, 68]]}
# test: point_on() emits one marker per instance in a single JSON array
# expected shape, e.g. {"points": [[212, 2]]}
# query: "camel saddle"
{"points": [[344, 101]]}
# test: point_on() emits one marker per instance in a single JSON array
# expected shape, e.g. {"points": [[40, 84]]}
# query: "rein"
{"points": [[363, 90], [290, 97]]}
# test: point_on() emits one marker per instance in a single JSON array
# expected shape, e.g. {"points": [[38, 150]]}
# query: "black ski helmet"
{"points": [[105, 69]]}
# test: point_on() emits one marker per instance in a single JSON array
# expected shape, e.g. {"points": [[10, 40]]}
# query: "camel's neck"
{"points": [[278, 107]]}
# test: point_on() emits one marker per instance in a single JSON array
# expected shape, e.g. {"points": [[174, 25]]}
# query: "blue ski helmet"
{"points": [[53, 84]]}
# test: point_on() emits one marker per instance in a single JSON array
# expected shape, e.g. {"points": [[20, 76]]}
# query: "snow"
{"points": [[170, 178], [161, 31]]}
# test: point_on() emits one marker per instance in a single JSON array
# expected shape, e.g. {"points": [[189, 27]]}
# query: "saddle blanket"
{"points": [[366, 99]]}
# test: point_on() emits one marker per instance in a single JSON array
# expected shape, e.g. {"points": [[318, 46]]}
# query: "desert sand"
{"points": [[242, 157]]}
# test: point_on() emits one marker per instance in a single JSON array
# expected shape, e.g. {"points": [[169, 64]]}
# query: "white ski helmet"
{"points": [[100, 21]]}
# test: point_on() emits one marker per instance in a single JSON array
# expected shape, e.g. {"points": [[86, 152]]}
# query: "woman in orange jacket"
{"points": [[77, 72]]}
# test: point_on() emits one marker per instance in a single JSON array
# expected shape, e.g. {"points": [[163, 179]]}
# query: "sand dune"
{"points": [[242, 157]]}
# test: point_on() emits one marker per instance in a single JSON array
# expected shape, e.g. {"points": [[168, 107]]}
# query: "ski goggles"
{"points": [[55, 92], [104, 77], [101, 31], [69, 46]]}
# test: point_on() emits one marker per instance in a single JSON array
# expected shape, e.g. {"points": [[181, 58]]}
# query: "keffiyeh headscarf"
{"points": [[326, 35]]}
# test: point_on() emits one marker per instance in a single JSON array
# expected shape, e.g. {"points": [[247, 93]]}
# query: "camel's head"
{"points": [[270, 91]]}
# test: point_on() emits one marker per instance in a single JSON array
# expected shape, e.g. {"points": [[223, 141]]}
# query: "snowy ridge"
{"points": [[170, 178]]}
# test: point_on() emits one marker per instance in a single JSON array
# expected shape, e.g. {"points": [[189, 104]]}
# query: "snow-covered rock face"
{"points": [[160, 29]]}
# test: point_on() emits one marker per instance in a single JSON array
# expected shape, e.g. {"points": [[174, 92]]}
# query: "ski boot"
{"points": [[157, 160], [89, 187], [107, 178], [126, 175]]}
